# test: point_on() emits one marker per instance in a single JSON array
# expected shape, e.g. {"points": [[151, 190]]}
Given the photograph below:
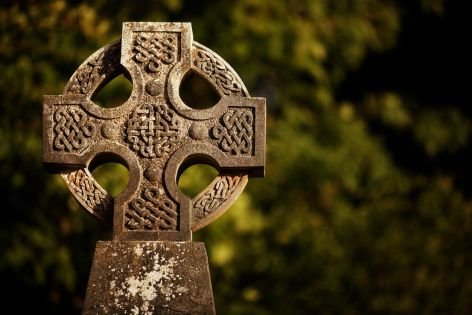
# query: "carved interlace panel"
{"points": [[85, 79], [89, 194], [154, 133], [234, 133], [212, 66], [212, 199], [153, 130], [152, 211], [72, 128], [153, 50]]}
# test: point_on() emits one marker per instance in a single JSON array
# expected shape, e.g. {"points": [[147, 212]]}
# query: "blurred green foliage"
{"points": [[366, 206]]}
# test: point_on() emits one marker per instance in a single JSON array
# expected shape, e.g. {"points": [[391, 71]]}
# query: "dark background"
{"points": [[366, 207]]}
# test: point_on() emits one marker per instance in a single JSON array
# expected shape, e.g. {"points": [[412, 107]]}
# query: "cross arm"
{"points": [[67, 132]]}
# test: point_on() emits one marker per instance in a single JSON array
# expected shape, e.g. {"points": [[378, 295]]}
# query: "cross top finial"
{"points": [[154, 133]]}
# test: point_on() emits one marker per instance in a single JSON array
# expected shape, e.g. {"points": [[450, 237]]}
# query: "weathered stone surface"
{"points": [[151, 267], [145, 277], [155, 134]]}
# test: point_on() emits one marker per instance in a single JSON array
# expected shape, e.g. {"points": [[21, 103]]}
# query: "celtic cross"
{"points": [[154, 133]]}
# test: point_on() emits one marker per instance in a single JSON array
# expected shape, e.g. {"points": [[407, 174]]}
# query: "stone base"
{"points": [[149, 277]]}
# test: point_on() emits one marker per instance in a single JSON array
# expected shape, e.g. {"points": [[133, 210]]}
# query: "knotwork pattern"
{"points": [[87, 76], [216, 195], [153, 50], [215, 68], [234, 134], [154, 133], [152, 211], [153, 130], [90, 194], [72, 129]]}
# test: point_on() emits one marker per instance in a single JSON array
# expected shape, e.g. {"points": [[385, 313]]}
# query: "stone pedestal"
{"points": [[151, 267], [149, 277]]}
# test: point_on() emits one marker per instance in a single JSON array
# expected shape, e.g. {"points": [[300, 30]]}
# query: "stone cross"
{"points": [[156, 136]]}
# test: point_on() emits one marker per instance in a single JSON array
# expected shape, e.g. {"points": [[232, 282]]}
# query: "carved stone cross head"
{"points": [[154, 133]]}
